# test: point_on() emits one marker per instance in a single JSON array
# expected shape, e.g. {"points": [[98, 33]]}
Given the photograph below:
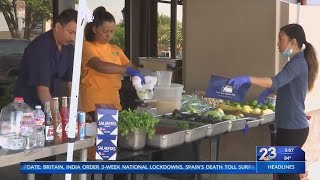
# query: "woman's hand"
{"points": [[132, 72], [263, 95], [237, 82]]}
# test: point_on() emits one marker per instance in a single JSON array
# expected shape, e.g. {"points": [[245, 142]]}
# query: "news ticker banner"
{"points": [[270, 160]]}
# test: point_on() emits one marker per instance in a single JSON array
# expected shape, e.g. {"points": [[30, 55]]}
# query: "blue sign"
{"points": [[218, 88], [160, 167], [280, 153], [138, 167], [283, 167]]}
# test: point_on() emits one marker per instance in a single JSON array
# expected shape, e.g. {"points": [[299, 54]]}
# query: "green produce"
{"points": [[214, 113], [257, 106], [269, 105], [130, 121], [220, 111], [264, 107], [273, 108], [229, 117], [254, 103], [177, 114]]}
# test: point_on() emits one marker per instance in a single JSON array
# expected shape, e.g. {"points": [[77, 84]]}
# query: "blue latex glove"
{"points": [[237, 82], [246, 130], [263, 95], [132, 72]]}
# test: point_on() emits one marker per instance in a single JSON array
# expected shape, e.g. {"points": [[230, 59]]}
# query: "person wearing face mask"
{"points": [[291, 85], [103, 64]]}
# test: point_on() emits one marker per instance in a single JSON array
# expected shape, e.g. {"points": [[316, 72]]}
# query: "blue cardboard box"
{"points": [[107, 134]]}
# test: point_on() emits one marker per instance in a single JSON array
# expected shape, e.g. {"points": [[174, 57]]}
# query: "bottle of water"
{"points": [[40, 126]]}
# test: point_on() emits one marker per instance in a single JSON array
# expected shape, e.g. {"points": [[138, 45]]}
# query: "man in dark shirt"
{"points": [[47, 61]]}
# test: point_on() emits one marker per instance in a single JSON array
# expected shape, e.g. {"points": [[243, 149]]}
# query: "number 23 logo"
{"points": [[265, 151]]}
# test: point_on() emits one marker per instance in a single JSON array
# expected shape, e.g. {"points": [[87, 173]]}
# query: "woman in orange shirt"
{"points": [[103, 64]]}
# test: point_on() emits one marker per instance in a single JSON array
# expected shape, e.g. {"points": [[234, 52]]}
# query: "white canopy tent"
{"points": [[84, 16]]}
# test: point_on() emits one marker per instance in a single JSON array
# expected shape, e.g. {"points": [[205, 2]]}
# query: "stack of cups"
{"points": [[167, 94]]}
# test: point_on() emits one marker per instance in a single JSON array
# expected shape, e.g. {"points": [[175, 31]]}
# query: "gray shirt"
{"points": [[291, 85]]}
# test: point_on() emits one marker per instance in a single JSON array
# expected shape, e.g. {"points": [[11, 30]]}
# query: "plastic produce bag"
{"points": [[194, 104]]}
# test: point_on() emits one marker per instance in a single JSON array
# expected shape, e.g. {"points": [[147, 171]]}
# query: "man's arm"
{"points": [[44, 94], [69, 86]]}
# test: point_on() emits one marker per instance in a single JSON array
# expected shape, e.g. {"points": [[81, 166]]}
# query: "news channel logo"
{"points": [[280, 153], [268, 153]]}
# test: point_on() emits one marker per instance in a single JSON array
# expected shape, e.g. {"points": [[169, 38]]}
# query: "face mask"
{"points": [[287, 53]]}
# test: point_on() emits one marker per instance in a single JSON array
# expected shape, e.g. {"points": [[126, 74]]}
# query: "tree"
{"points": [[164, 34], [36, 12], [119, 35]]}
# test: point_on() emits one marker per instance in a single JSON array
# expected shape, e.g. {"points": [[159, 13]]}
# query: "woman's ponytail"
{"points": [[312, 61]]}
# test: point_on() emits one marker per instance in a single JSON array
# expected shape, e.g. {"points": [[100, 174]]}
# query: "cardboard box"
{"points": [[107, 134]]}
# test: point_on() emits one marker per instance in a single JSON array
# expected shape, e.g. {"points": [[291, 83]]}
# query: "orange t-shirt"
{"points": [[100, 88]]}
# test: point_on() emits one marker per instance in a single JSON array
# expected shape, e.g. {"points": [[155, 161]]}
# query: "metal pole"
{"points": [[173, 29]]}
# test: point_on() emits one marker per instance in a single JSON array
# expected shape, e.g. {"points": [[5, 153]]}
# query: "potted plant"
{"points": [[134, 127]]}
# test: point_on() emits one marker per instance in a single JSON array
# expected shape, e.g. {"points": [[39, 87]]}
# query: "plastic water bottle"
{"points": [[40, 126]]}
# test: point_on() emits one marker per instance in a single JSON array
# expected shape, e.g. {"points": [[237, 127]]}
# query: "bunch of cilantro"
{"points": [[129, 121]]}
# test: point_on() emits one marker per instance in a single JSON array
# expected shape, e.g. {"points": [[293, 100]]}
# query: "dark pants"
{"points": [[291, 137]]}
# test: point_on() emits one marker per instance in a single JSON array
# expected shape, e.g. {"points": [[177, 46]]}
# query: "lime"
{"points": [[269, 105], [258, 106], [273, 108], [264, 107], [254, 102], [236, 103]]}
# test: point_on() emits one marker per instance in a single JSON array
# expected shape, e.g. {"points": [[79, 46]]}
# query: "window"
{"points": [[164, 28], [170, 19], [179, 35]]}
